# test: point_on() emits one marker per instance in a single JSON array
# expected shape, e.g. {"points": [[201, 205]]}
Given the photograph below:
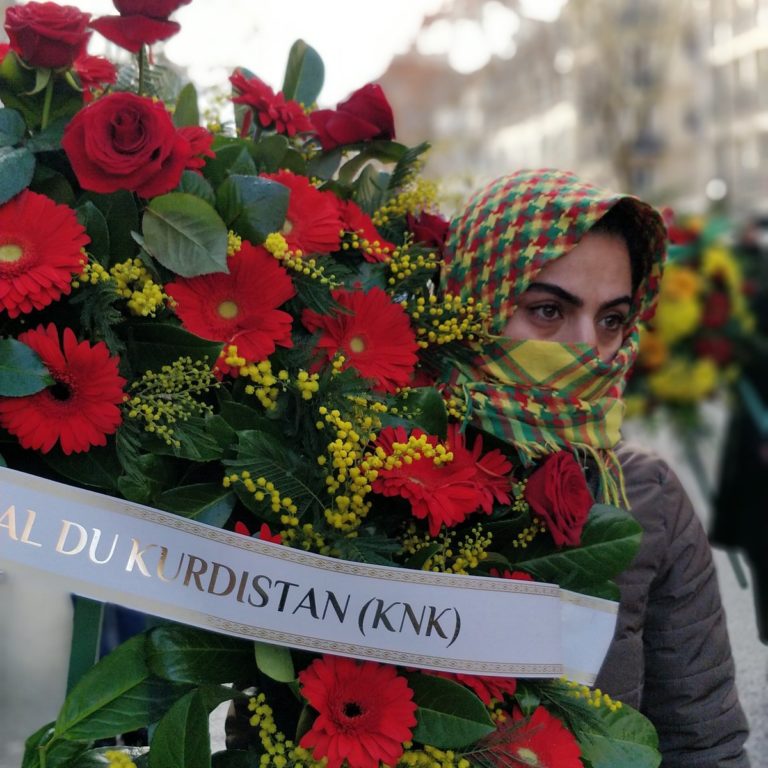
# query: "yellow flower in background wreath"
{"points": [[635, 406], [684, 381], [679, 283], [653, 349], [718, 261], [674, 320]]}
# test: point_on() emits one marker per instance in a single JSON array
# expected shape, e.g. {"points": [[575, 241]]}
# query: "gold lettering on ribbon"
{"points": [[10, 516], [94, 545], [135, 558], [66, 527]]}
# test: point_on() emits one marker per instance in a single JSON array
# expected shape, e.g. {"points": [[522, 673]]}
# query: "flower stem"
{"points": [[142, 68], [47, 103]]}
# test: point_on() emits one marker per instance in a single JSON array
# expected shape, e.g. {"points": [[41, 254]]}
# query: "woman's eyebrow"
{"points": [[571, 298]]}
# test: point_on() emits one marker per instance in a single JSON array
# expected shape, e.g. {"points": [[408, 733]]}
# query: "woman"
{"points": [[568, 271]]}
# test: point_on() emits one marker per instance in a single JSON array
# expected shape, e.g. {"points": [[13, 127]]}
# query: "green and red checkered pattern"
{"points": [[508, 231]]}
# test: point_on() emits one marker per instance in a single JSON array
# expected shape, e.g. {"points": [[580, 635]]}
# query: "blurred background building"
{"points": [[659, 98]]}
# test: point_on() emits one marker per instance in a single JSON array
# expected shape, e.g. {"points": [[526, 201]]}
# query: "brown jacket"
{"points": [[671, 656]]}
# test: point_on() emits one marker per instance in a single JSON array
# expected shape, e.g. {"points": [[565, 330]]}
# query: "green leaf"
{"points": [[89, 710], [182, 739], [49, 139], [96, 468], [253, 206], [627, 739], [185, 234], [205, 502], [16, 169], [122, 215], [153, 345], [196, 443], [275, 661], [12, 127], [58, 754], [315, 295], [194, 184], [426, 407], [262, 455], [42, 76], [609, 541], [304, 74], [96, 226], [383, 151], [325, 164], [186, 111], [22, 372], [185, 654], [269, 153], [449, 716]]}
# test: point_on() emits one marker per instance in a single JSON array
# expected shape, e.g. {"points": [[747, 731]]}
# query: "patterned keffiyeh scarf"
{"points": [[544, 396]]}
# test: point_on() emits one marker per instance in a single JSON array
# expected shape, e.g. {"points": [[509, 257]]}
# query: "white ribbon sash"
{"points": [[163, 564]]}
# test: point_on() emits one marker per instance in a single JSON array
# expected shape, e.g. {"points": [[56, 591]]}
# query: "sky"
{"points": [[355, 38]]}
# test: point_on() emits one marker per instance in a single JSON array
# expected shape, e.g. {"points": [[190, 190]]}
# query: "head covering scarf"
{"points": [[544, 396]]}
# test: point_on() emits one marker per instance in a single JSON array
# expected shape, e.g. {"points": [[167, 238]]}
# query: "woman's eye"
{"points": [[614, 322], [546, 312]]}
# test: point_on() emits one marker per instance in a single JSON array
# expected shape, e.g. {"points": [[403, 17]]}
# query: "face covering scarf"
{"points": [[544, 396]]}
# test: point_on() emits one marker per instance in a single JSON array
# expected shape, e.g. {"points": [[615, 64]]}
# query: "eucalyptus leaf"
{"points": [[449, 716], [185, 234], [22, 372], [12, 127], [253, 206], [16, 169], [304, 74], [182, 738], [186, 654], [275, 661]]}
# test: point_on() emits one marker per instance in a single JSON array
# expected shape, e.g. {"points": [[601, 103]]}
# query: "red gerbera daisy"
{"points": [[271, 109], [80, 409], [486, 688], [265, 534], [239, 308], [365, 236], [312, 222], [94, 73], [375, 337], [541, 741], [40, 249], [366, 712], [200, 140], [444, 493]]}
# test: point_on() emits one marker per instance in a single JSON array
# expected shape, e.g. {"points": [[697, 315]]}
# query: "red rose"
{"points": [[131, 32], [157, 9], [365, 115], [46, 34], [124, 141], [428, 228], [557, 493]]}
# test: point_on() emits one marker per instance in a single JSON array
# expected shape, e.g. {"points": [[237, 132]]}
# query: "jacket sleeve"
{"points": [[689, 691]]}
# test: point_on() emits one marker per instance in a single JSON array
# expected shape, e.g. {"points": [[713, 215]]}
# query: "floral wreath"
{"points": [[238, 323]]}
